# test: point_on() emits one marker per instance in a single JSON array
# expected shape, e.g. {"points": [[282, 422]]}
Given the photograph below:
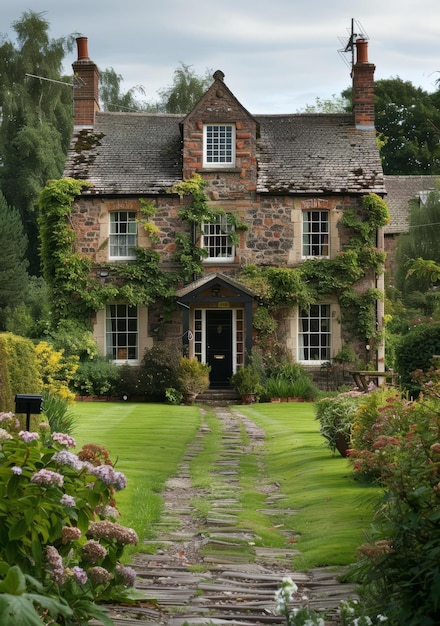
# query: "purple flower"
{"points": [[55, 565], [67, 500], [27, 436], [99, 575], [107, 474], [79, 575], [47, 477], [64, 457], [17, 470], [64, 439], [93, 551], [126, 574], [4, 435]]}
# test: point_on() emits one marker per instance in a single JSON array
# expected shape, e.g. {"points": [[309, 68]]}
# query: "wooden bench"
{"points": [[363, 377]]}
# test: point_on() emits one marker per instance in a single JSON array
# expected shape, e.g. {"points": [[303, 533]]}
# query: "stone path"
{"points": [[210, 572]]}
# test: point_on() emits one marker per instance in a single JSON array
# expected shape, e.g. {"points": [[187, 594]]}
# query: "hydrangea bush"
{"points": [[58, 529]]}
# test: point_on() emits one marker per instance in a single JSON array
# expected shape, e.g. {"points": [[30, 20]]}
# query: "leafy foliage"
{"points": [[417, 253], [398, 565], [57, 525], [13, 269], [19, 371], [187, 89], [415, 351], [36, 117]]}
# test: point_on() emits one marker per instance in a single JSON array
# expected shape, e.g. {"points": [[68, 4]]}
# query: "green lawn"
{"points": [[334, 511], [148, 441]]}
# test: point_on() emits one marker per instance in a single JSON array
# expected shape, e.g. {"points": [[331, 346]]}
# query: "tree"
{"points": [[335, 104], [13, 264], [111, 98], [418, 249], [186, 90], [36, 123]]}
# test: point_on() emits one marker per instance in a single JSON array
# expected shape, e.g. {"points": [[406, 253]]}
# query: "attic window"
{"points": [[218, 145]]}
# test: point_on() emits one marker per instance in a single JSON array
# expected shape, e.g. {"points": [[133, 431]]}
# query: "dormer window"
{"points": [[217, 240], [219, 145]]}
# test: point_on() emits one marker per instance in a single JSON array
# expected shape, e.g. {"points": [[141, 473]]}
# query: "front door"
{"points": [[219, 346]]}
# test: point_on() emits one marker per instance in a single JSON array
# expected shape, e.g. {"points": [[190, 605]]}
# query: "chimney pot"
{"points": [[361, 51], [82, 46]]}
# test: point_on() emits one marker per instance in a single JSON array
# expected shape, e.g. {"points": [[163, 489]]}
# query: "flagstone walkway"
{"points": [[199, 573]]}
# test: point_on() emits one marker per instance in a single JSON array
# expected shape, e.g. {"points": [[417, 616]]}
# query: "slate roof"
{"points": [[400, 191], [141, 153], [127, 153], [317, 154]]}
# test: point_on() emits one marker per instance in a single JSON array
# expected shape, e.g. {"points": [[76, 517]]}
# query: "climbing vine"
{"points": [[188, 254], [75, 292], [316, 279]]}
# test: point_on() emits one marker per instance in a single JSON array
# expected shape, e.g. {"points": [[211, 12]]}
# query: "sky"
{"points": [[278, 56]]}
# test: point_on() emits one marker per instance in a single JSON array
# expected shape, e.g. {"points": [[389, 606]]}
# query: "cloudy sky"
{"points": [[277, 55]]}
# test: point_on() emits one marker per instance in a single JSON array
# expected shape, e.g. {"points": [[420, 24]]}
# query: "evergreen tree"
{"points": [[36, 122], [13, 264]]}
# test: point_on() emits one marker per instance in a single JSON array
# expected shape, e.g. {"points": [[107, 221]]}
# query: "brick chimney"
{"points": [[363, 87], [86, 84]]}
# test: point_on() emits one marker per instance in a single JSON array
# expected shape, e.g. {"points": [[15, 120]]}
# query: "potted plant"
{"points": [[335, 416], [247, 383], [193, 377]]}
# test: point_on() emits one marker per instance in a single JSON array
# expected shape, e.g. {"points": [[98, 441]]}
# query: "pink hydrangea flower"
{"points": [[64, 439], [28, 436], [47, 477]]}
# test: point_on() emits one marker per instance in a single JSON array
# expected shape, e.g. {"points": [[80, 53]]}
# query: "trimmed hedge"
{"points": [[414, 352], [19, 372]]}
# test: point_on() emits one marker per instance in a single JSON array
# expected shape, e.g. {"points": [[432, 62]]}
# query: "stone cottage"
{"points": [[286, 180]]}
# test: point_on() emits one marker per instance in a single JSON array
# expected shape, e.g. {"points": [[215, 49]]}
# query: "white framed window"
{"points": [[217, 240], [314, 334], [315, 234], [121, 332], [123, 234], [219, 145]]}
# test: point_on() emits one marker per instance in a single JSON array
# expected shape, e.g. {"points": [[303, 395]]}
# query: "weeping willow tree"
{"points": [[418, 250]]}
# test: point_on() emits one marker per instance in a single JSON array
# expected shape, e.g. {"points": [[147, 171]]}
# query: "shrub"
{"points": [[335, 416], [97, 377], [399, 565], [245, 380], [158, 370], [193, 376], [414, 352], [57, 370], [57, 525], [19, 371]]}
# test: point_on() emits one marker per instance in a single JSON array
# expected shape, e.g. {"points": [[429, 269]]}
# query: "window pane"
{"points": [[314, 333], [315, 233], [216, 239], [121, 332], [123, 234]]}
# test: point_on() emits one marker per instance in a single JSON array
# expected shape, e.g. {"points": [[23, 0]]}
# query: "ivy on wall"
{"points": [[317, 279], [76, 293]]}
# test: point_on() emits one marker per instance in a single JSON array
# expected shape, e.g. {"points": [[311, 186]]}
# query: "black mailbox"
{"points": [[28, 403]]}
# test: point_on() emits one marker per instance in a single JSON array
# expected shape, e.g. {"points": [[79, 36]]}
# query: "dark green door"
{"points": [[219, 346]]}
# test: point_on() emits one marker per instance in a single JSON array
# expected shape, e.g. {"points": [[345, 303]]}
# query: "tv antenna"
{"points": [[357, 31]]}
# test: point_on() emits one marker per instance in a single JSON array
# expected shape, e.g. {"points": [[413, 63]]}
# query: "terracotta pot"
{"points": [[342, 443], [247, 398]]}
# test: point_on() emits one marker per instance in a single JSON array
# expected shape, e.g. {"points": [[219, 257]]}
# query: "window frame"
{"points": [[115, 348], [314, 333], [209, 240], [217, 163], [318, 239], [124, 236]]}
